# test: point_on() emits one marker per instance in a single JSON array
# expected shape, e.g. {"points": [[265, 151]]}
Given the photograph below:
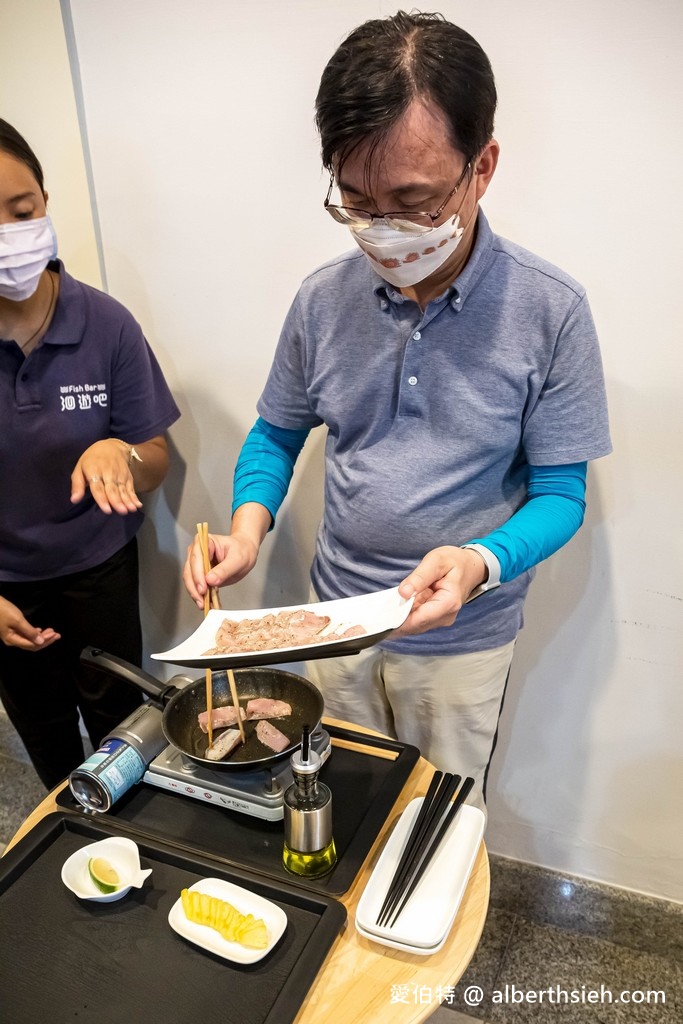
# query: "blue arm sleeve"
{"points": [[265, 465], [552, 515]]}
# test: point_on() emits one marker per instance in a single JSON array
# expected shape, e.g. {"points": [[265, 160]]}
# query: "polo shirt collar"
{"points": [[68, 322], [457, 292]]}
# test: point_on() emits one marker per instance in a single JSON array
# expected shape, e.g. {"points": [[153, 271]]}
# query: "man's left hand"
{"points": [[441, 583]]}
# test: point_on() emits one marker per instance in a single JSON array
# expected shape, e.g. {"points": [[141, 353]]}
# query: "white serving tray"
{"points": [[379, 614]]}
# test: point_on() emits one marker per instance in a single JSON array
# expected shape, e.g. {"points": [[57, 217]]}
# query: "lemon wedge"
{"points": [[103, 875]]}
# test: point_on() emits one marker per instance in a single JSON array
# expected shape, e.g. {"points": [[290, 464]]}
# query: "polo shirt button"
{"points": [[412, 380], [457, 298], [417, 336]]}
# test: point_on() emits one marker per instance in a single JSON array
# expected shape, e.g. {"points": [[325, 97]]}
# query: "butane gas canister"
{"points": [[121, 761]]}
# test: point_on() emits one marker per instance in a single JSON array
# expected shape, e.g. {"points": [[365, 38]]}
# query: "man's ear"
{"points": [[485, 166]]}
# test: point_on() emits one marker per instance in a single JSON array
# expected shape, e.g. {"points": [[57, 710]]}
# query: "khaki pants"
{"points": [[447, 706]]}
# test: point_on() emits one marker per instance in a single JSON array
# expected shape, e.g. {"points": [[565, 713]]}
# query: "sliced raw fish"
{"points": [[220, 717], [271, 737], [224, 744], [267, 707], [298, 628]]}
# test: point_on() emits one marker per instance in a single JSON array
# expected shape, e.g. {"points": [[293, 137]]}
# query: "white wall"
{"points": [[199, 123], [37, 97]]}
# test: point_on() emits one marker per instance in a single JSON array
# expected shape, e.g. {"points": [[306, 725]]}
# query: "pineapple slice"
{"points": [[225, 919]]}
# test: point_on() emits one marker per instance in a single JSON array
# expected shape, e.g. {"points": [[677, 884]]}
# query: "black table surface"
{"points": [[69, 960]]}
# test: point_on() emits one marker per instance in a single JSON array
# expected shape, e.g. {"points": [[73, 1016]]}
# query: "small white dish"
{"points": [[124, 857], [378, 613], [424, 923], [241, 899]]}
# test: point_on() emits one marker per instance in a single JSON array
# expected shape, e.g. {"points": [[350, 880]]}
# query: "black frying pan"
{"points": [[181, 707]]}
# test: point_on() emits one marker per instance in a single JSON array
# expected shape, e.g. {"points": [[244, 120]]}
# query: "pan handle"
{"points": [[159, 692]]}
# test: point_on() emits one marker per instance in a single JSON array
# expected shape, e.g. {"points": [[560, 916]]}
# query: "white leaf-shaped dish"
{"points": [[124, 857]]}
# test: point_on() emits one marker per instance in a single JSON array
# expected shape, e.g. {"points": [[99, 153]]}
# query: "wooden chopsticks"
{"points": [[235, 700], [210, 600], [435, 817]]}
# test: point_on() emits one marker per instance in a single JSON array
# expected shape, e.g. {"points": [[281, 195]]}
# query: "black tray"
{"points": [[70, 960], [364, 789]]}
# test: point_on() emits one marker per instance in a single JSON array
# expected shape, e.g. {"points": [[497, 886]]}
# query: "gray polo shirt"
{"points": [[434, 416]]}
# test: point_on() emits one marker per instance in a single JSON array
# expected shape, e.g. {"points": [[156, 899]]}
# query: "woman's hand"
{"points": [[16, 631], [441, 583], [103, 467]]}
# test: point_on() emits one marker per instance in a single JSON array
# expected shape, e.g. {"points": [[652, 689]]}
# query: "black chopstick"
{"points": [[421, 865], [412, 841], [441, 789], [435, 813]]}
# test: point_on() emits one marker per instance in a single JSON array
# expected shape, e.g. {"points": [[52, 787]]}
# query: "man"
{"points": [[460, 382]]}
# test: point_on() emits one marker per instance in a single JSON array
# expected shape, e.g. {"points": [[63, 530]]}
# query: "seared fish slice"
{"points": [[267, 707], [224, 745], [220, 717]]}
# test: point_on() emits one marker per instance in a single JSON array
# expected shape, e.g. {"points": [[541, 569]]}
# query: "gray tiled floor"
{"points": [[445, 1016], [541, 957], [536, 939], [20, 787], [21, 790], [567, 965]]}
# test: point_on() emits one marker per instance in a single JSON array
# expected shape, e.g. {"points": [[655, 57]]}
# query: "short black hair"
{"points": [[16, 145], [385, 64]]}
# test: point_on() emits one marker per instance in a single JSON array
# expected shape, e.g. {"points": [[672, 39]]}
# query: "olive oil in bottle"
{"points": [[309, 849]]}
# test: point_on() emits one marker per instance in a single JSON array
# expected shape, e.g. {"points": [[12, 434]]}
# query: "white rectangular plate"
{"points": [[425, 921], [243, 900], [377, 613]]}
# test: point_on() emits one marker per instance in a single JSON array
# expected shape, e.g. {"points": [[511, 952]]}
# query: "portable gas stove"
{"points": [[258, 793]]}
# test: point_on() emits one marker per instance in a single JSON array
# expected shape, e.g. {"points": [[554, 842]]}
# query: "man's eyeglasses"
{"points": [[400, 220]]}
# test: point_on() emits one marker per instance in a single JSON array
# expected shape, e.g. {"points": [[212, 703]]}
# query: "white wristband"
{"points": [[493, 566]]}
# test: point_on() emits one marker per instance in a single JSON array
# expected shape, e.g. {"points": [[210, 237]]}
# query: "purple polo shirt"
{"points": [[93, 376], [433, 416]]}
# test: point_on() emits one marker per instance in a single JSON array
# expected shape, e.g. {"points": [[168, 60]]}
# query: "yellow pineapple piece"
{"points": [[225, 919]]}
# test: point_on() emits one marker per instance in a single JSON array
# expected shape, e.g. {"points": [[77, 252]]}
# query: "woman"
{"points": [[83, 411]]}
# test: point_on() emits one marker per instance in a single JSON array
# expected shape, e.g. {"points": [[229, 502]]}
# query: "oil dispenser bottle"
{"points": [[309, 848]]}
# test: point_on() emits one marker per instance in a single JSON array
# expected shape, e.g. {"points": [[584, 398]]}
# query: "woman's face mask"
{"points": [[404, 259], [26, 248]]}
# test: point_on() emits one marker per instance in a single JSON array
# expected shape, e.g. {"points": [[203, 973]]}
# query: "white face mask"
{"points": [[404, 259], [26, 248]]}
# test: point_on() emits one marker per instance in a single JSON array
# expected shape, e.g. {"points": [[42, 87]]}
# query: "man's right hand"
{"points": [[232, 557], [16, 631]]}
